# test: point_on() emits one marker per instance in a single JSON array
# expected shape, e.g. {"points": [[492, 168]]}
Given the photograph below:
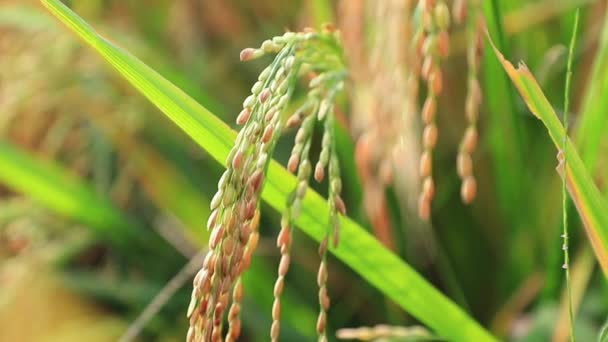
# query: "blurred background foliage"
{"points": [[103, 201]]}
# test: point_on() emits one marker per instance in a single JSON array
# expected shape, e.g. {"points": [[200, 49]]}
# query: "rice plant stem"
{"points": [[165, 294], [564, 194]]}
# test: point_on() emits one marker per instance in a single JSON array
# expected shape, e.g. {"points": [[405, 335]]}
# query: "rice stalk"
{"points": [[563, 164]]}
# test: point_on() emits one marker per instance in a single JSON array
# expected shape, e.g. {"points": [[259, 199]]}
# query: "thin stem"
{"points": [[159, 301], [564, 195]]}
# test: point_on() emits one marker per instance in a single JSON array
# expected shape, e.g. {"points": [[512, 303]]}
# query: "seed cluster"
{"points": [[432, 40], [234, 218], [384, 332], [383, 126], [474, 30], [384, 94], [233, 221], [299, 157], [318, 107]]}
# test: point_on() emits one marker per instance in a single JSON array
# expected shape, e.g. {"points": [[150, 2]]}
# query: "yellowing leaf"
{"points": [[585, 194]]}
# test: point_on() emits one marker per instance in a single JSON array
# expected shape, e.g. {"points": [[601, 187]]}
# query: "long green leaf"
{"points": [[64, 193], [358, 249], [503, 122], [584, 193], [594, 121], [56, 189]]}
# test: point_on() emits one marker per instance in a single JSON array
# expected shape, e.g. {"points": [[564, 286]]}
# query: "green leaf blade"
{"points": [[586, 196], [594, 121], [57, 190]]}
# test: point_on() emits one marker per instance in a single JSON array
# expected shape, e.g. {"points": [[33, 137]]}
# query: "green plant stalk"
{"points": [[586, 196], [358, 249], [583, 266], [592, 122], [564, 194]]}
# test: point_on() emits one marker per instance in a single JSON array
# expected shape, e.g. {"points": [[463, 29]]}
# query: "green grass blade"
{"points": [[54, 188], [503, 121], [358, 249], [564, 195], [594, 121], [584, 193], [57, 190]]}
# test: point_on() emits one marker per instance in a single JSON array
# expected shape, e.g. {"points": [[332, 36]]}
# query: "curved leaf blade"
{"points": [[56, 189], [590, 133], [586, 196]]}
